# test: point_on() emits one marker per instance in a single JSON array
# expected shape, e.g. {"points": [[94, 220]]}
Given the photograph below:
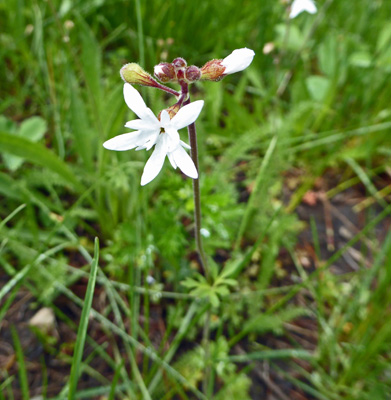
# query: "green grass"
{"points": [[312, 116]]}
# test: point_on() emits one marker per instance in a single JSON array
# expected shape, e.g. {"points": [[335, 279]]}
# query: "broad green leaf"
{"points": [[38, 154], [318, 87], [292, 39], [33, 130], [360, 59]]}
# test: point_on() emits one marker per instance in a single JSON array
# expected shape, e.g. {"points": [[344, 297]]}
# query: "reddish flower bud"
{"points": [[192, 73], [173, 110], [180, 74], [179, 62], [165, 72], [213, 70]]}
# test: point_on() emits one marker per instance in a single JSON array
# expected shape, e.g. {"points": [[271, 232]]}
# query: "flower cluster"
{"points": [[162, 131]]}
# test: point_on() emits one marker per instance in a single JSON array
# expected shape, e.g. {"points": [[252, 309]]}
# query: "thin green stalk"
{"points": [[140, 32], [207, 387], [82, 332], [23, 381]]}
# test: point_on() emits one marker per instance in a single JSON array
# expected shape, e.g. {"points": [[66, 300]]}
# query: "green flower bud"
{"points": [[132, 73]]}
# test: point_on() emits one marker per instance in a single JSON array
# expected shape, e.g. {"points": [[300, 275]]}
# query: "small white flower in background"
{"points": [[163, 134], [238, 60], [298, 6], [204, 232]]}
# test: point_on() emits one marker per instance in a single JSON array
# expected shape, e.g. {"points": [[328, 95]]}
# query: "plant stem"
{"points": [[197, 199], [197, 219]]}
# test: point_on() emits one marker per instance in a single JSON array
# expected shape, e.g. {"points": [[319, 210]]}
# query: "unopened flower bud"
{"points": [[192, 73], [165, 72], [180, 74], [173, 110], [132, 73], [179, 62], [212, 71]]}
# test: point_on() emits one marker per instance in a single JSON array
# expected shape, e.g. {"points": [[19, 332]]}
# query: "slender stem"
{"points": [[197, 197], [165, 88], [197, 217], [140, 32]]}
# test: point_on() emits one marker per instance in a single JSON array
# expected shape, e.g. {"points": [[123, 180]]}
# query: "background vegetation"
{"points": [[295, 184]]}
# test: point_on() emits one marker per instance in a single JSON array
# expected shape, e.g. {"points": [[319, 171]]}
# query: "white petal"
{"points": [[238, 60], [136, 103], [142, 124], [124, 142], [172, 138], [298, 6], [164, 118], [158, 69], [185, 145], [184, 162], [154, 163], [187, 114], [172, 161]]}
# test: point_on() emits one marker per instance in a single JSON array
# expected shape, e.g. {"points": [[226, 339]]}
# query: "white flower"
{"points": [[238, 60], [149, 131], [299, 6]]}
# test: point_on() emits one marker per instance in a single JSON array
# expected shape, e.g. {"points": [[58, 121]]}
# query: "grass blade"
{"points": [[21, 365], [82, 332]]}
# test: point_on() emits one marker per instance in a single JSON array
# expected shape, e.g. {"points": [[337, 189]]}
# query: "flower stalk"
{"points": [[197, 199]]}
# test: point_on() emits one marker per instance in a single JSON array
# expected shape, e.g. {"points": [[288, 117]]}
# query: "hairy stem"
{"points": [[197, 199]]}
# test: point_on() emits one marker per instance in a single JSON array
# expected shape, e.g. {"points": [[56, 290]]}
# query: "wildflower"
{"points": [[238, 60], [163, 134], [298, 6]]}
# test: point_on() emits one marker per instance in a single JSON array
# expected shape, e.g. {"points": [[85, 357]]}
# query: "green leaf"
{"points": [[318, 86], [384, 38], [38, 154], [292, 39], [360, 59], [33, 129]]}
